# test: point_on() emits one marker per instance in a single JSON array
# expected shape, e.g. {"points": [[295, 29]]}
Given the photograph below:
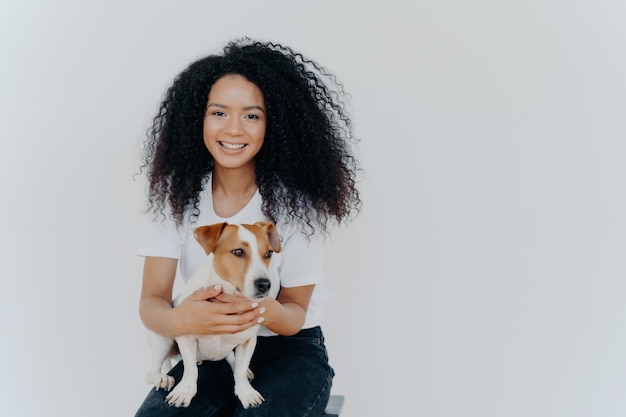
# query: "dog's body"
{"points": [[238, 259]]}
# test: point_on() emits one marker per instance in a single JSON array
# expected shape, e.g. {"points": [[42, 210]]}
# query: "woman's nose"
{"points": [[234, 126]]}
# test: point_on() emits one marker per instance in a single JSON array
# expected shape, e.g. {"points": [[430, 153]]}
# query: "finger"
{"points": [[248, 318], [230, 298], [238, 324], [234, 313], [221, 322], [206, 293], [247, 308]]}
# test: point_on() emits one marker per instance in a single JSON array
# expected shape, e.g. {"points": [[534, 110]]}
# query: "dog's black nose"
{"points": [[262, 285]]}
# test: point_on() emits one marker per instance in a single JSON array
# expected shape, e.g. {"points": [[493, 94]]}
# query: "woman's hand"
{"points": [[206, 311], [210, 311], [286, 314]]}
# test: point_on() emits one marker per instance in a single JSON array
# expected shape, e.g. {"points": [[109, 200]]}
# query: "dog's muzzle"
{"points": [[262, 286]]}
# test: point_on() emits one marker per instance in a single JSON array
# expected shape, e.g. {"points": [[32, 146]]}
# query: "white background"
{"points": [[485, 276]]}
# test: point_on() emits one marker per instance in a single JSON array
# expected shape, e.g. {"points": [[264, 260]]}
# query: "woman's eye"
{"points": [[252, 116], [238, 252], [218, 113]]}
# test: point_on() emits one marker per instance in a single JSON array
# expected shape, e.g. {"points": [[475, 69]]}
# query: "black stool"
{"points": [[335, 404]]}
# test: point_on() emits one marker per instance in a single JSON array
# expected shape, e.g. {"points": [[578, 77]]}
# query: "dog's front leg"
{"points": [[186, 389], [160, 347], [248, 396], [231, 361]]}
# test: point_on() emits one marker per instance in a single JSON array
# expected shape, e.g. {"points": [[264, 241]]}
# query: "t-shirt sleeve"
{"points": [[160, 237], [302, 260]]}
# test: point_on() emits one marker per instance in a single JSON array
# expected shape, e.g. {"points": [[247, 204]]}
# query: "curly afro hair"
{"points": [[305, 169]]}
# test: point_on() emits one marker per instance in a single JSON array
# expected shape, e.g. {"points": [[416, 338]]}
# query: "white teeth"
{"points": [[232, 145]]}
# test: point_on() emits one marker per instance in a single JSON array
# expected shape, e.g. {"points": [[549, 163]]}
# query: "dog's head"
{"points": [[242, 254]]}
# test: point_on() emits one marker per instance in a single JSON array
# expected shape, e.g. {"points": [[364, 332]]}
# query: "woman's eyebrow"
{"points": [[222, 106], [255, 107]]}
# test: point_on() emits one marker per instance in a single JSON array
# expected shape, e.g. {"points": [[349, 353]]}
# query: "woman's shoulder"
{"points": [[291, 230]]}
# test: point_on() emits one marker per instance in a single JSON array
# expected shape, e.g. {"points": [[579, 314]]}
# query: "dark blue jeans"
{"points": [[291, 372]]}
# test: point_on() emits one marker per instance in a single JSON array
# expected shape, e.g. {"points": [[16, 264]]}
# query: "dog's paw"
{"points": [[181, 395], [250, 397], [160, 381]]}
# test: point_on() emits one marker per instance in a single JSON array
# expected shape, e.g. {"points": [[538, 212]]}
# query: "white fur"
{"points": [[194, 349]]}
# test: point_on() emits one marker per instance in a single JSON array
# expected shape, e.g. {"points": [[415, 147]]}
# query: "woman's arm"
{"points": [[206, 311], [287, 313]]}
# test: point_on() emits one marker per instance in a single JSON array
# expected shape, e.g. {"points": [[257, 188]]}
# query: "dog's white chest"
{"points": [[217, 347]]}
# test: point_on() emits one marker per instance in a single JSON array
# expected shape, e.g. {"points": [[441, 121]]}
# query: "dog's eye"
{"points": [[269, 254], [238, 253]]}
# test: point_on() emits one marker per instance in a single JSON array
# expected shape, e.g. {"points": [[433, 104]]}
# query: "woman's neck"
{"points": [[234, 181], [232, 190]]}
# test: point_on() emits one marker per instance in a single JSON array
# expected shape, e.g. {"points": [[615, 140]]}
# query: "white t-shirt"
{"points": [[300, 261]]}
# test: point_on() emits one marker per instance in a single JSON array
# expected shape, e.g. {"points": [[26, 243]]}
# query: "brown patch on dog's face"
{"points": [[241, 252], [267, 236], [207, 236], [232, 257]]}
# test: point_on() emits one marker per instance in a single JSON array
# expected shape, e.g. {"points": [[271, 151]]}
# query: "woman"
{"points": [[255, 133]]}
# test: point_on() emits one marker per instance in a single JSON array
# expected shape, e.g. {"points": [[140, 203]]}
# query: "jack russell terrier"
{"points": [[238, 259]]}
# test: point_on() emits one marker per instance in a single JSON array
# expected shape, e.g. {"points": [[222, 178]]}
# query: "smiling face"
{"points": [[234, 123]]}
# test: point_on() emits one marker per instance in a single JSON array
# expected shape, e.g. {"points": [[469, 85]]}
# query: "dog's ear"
{"points": [[272, 234], [207, 236]]}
